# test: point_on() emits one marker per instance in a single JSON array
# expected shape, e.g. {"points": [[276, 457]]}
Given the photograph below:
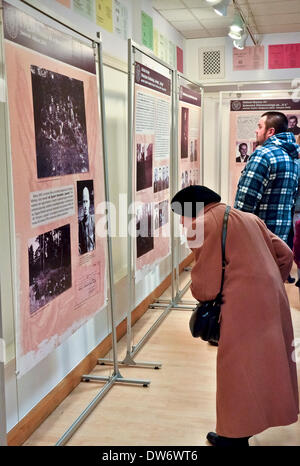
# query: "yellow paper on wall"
{"points": [[104, 14]]}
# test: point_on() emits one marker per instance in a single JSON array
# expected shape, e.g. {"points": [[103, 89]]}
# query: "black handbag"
{"points": [[205, 319]]}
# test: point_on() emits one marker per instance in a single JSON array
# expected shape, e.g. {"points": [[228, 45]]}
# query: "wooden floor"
{"points": [[178, 408]]}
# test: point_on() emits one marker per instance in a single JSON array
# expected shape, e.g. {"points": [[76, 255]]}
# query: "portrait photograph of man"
{"points": [[86, 218], [293, 125], [242, 152]]}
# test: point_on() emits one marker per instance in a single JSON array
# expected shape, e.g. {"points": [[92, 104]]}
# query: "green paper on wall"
{"points": [[147, 30], [85, 8]]}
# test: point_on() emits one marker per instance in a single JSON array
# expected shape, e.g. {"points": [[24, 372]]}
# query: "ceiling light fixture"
{"points": [[240, 43], [238, 24], [221, 7], [236, 35]]}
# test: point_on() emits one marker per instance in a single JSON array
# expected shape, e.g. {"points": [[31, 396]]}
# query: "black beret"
{"points": [[187, 202]]}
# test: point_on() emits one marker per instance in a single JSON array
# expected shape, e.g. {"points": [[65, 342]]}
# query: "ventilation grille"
{"points": [[211, 63]]}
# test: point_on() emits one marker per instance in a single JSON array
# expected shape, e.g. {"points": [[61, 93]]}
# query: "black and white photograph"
{"points": [[156, 216], [144, 229], [60, 124], [195, 150], [161, 178], [163, 213], [144, 160], [242, 152], [192, 150], [184, 132], [166, 177], [49, 257], [186, 179], [86, 216], [294, 121], [182, 180]]}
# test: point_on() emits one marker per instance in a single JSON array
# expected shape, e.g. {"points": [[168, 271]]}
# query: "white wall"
{"points": [[212, 152], [192, 58]]}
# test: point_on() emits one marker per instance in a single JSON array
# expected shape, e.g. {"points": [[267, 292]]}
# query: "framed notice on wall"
{"points": [[151, 156], [58, 179]]}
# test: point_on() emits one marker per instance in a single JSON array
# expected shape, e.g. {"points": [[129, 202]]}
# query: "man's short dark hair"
{"points": [[276, 120], [243, 144]]}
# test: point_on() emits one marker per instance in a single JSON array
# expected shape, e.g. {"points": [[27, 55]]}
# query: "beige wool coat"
{"points": [[256, 370]]}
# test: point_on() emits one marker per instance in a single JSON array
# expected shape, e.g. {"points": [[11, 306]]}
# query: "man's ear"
{"points": [[271, 132]]}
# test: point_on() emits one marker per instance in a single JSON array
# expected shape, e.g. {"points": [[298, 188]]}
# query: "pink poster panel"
{"points": [[189, 138], [57, 184], [244, 117], [151, 168]]}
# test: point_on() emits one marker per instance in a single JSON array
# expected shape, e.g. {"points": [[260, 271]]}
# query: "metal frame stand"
{"points": [[116, 376], [176, 302], [3, 424]]}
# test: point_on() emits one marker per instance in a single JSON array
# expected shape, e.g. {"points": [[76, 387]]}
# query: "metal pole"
{"points": [[175, 176], [173, 182], [3, 427], [107, 197], [129, 192]]}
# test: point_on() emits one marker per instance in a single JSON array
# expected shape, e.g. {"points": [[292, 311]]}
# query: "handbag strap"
{"points": [[224, 234]]}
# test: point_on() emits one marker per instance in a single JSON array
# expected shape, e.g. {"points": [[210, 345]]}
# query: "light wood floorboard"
{"points": [[178, 408]]}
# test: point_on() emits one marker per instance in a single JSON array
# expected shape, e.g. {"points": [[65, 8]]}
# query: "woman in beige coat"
{"points": [[256, 371]]}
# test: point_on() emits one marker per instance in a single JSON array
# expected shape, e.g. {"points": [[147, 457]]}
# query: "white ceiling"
{"points": [[195, 19]]}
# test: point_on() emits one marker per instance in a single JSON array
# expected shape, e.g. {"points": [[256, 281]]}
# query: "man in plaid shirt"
{"points": [[268, 184]]}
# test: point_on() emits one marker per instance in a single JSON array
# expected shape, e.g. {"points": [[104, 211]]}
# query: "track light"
{"points": [[240, 43], [221, 7], [237, 25], [236, 35]]}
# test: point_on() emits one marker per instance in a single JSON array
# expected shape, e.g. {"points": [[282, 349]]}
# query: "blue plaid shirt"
{"points": [[268, 184]]}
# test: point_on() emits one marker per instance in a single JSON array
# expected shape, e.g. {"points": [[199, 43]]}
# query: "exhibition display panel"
{"points": [[58, 180], [240, 113], [189, 155], [57, 177]]}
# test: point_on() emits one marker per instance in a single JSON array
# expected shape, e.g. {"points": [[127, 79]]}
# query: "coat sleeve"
{"points": [[207, 272], [282, 254], [252, 183]]}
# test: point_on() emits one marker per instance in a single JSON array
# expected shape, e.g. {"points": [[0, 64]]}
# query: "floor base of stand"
{"points": [[128, 361]]}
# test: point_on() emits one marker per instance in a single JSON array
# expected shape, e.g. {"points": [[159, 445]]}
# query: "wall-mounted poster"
{"points": [[85, 8], [104, 14], [244, 117], [58, 180], [283, 56], [151, 167], [250, 58]]}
